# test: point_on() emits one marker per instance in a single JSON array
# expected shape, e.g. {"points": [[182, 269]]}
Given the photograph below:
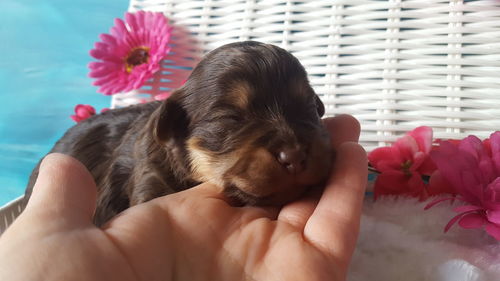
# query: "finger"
{"points": [[334, 225], [342, 128], [249, 211], [64, 189], [214, 196], [298, 212]]}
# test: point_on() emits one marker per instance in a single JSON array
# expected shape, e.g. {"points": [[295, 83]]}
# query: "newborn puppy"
{"points": [[246, 120]]}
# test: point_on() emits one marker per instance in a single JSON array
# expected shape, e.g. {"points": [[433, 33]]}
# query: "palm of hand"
{"points": [[196, 235]]}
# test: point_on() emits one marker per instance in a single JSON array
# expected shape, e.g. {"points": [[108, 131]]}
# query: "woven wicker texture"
{"points": [[393, 64], [10, 212]]}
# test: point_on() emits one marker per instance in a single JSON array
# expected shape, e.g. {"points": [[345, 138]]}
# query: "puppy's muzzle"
{"points": [[293, 159]]}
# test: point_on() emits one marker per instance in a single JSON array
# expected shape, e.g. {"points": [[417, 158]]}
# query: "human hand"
{"points": [[190, 235]]}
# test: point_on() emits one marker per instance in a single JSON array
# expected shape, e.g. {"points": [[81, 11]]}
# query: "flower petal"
{"points": [[437, 201], [382, 159], [108, 39], [472, 220], [491, 199], [493, 216], [441, 158], [438, 185], [131, 20], [427, 167], [407, 146], [75, 118], [459, 169], [113, 76], [119, 30], [83, 111], [473, 145], [452, 222], [467, 208], [103, 71], [472, 190], [416, 187], [391, 183], [423, 137], [495, 150], [493, 230]]}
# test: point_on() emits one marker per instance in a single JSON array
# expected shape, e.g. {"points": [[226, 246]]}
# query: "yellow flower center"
{"points": [[405, 167], [135, 57]]}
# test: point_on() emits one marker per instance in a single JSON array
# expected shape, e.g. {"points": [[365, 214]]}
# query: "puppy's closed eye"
{"points": [[232, 118]]}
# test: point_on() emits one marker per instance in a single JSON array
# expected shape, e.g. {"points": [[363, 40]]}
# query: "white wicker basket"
{"points": [[393, 64], [9, 213]]}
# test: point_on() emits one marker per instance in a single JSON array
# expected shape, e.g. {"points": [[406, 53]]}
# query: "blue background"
{"points": [[44, 49]]}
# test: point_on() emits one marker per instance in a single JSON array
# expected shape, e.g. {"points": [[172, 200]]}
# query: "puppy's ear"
{"points": [[320, 107], [171, 121]]}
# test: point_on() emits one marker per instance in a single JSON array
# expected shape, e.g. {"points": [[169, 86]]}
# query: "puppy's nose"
{"points": [[293, 159]]}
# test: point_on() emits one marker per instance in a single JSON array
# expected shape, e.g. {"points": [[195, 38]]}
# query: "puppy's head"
{"points": [[250, 123]]}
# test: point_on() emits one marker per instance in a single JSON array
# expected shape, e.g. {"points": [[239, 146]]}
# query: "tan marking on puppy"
{"points": [[205, 166], [223, 169], [266, 174], [239, 94], [257, 173]]}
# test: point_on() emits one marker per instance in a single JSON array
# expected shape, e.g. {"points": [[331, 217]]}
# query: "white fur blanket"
{"points": [[400, 241]]}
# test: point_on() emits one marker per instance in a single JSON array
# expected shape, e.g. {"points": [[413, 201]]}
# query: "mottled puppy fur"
{"points": [[246, 120]]}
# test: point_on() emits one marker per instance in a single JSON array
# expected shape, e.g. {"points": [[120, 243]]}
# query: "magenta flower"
{"points": [[82, 112], [403, 164], [472, 168], [131, 54]]}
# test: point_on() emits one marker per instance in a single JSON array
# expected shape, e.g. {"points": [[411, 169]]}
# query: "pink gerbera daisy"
{"points": [[131, 54]]}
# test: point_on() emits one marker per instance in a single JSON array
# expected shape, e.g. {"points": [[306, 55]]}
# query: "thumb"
{"points": [[64, 189]]}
